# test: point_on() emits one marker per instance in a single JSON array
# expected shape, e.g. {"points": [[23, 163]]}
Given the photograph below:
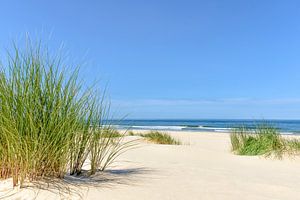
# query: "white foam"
{"points": [[287, 133], [159, 127]]}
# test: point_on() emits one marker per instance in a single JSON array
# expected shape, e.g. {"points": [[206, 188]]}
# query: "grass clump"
{"points": [[131, 133], [110, 132], [264, 140], [50, 124], [160, 138]]}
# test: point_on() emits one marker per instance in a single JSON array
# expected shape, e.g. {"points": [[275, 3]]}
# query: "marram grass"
{"points": [[265, 140], [131, 133], [160, 138], [49, 124]]}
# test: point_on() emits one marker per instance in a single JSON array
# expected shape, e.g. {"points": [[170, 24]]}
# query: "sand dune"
{"points": [[202, 168]]}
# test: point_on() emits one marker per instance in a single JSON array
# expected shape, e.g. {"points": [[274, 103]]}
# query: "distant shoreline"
{"points": [[196, 131], [207, 125]]}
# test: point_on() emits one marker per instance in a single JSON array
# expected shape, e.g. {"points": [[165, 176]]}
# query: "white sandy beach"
{"points": [[201, 168]]}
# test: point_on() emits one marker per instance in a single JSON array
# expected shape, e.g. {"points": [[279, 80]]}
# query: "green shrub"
{"points": [[160, 138], [265, 140]]}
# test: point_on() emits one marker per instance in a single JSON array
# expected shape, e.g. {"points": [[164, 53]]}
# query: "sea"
{"points": [[206, 125]]}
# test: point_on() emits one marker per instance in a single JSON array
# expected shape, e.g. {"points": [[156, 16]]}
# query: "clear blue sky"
{"points": [[176, 59]]}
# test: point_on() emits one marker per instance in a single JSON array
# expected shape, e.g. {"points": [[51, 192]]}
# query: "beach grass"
{"points": [[50, 122], [131, 133], [264, 140], [160, 138], [110, 132]]}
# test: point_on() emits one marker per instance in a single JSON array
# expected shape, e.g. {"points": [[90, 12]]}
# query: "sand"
{"points": [[202, 168]]}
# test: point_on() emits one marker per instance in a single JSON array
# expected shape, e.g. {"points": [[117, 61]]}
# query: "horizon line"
{"points": [[270, 119]]}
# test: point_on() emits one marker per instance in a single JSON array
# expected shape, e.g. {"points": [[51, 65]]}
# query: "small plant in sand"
{"points": [[110, 132], [264, 140], [49, 123], [160, 138], [131, 133]]}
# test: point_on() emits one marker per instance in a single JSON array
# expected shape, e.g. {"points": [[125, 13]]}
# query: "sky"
{"points": [[174, 59]]}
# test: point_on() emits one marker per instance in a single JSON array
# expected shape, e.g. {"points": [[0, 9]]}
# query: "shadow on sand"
{"points": [[74, 187]]}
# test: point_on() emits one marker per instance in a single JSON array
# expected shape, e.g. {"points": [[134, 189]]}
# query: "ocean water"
{"points": [[284, 126]]}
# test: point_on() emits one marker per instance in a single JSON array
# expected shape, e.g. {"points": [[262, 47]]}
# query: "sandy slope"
{"points": [[201, 168]]}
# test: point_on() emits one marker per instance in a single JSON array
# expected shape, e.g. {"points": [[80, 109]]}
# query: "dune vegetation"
{"points": [[50, 122], [131, 133], [109, 132], [264, 140], [160, 138]]}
